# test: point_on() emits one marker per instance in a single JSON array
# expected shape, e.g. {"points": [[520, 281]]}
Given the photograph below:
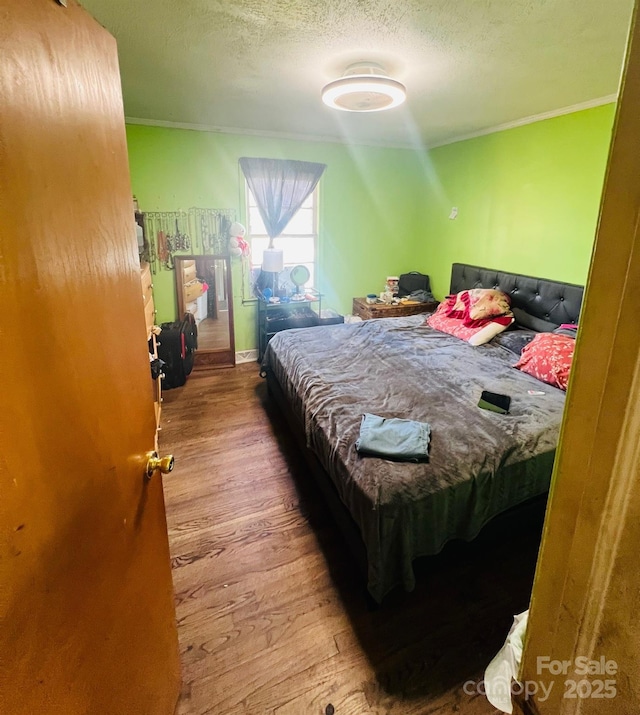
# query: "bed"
{"points": [[480, 463]]}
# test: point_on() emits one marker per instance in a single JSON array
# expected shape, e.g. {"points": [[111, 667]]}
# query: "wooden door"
{"points": [[584, 617], [86, 602]]}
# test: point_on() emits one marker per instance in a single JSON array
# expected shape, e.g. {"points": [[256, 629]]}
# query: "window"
{"points": [[298, 241]]}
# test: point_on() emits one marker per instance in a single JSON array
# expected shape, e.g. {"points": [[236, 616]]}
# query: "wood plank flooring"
{"points": [[272, 617]]}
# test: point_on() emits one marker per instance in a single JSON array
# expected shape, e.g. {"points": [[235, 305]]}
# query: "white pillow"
{"points": [[487, 333]]}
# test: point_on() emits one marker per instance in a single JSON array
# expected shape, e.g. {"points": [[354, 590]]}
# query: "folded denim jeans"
{"points": [[405, 440]]}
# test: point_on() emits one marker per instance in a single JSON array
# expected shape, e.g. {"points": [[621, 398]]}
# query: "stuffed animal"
{"points": [[237, 244]]}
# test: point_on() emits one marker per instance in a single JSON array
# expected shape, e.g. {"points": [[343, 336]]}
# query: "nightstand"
{"points": [[274, 317], [368, 311]]}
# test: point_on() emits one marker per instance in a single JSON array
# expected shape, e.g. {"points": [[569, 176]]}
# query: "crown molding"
{"points": [[598, 102], [318, 138]]}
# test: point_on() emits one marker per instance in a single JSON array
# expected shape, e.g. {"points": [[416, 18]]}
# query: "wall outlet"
{"points": [[454, 212]]}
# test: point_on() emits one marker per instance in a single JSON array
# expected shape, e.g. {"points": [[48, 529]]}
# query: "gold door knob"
{"points": [[164, 464]]}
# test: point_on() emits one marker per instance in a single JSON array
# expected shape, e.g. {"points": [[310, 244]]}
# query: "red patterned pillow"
{"points": [[488, 303], [479, 333], [548, 357], [479, 304]]}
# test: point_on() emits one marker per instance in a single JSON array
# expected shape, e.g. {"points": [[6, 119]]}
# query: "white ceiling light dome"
{"points": [[364, 87]]}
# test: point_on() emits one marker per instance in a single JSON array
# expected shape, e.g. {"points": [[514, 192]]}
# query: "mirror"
{"points": [[203, 287]]}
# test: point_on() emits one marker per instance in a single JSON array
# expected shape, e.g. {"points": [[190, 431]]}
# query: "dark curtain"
{"points": [[280, 187]]}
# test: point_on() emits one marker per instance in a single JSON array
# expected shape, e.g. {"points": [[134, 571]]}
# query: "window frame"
{"points": [[250, 204]]}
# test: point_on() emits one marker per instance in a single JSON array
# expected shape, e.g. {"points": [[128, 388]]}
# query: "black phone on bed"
{"points": [[495, 402]]}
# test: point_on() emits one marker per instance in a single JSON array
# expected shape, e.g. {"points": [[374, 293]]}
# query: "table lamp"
{"points": [[273, 262]]}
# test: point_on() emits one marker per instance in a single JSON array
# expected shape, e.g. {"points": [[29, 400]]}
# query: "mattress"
{"points": [[480, 463]]}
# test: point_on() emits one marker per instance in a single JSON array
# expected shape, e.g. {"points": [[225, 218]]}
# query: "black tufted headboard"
{"points": [[537, 303]]}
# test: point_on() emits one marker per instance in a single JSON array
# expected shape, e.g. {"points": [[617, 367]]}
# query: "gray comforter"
{"points": [[480, 462]]}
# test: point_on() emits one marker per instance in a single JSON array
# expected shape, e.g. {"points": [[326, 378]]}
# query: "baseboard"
{"points": [[246, 356]]}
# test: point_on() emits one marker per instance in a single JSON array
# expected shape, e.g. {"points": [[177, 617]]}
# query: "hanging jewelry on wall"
{"points": [[179, 240], [200, 231], [211, 229], [168, 233]]}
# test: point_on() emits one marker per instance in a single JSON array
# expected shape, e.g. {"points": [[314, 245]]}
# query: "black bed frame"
{"points": [[537, 303]]}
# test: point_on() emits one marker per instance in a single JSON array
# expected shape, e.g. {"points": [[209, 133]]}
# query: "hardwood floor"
{"points": [[213, 333], [272, 617]]}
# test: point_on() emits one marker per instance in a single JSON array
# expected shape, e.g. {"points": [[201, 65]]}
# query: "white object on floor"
{"points": [[352, 319], [202, 307], [504, 668]]}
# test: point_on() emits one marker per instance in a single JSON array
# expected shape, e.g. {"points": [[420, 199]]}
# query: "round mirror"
{"points": [[299, 275]]}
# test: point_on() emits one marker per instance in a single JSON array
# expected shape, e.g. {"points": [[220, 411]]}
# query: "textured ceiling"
{"points": [[259, 65]]}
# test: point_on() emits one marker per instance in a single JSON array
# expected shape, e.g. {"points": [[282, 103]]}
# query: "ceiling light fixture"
{"points": [[364, 87]]}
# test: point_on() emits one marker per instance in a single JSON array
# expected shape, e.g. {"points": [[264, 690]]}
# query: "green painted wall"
{"points": [[371, 206], [527, 199]]}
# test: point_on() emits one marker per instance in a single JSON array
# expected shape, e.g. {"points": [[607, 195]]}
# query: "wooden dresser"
{"points": [[151, 336], [193, 298], [383, 310]]}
